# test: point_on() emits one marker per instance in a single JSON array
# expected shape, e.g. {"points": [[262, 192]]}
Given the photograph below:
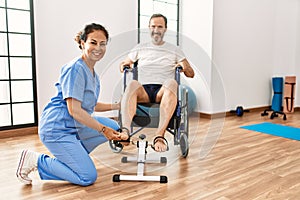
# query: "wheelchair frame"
{"points": [[179, 123]]}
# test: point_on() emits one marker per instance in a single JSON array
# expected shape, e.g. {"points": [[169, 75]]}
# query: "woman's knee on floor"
{"points": [[89, 178]]}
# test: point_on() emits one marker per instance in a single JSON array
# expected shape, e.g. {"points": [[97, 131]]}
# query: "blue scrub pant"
{"points": [[72, 162]]}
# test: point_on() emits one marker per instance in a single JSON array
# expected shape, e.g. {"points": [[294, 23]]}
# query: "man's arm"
{"points": [[187, 69]]}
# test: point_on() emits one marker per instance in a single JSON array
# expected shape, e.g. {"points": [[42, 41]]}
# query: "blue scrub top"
{"points": [[76, 81]]}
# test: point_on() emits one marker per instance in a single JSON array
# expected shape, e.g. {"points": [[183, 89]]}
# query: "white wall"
{"points": [[56, 24], [254, 40], [196, 28], [287, 37]]}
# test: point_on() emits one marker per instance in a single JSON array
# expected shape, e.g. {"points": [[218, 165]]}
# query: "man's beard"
{"points": [[157, 37]]}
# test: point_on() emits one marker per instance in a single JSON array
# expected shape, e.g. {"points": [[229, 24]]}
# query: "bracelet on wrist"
{"points": [[103, 129]]}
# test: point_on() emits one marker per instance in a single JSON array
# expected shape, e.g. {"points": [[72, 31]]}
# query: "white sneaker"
{"points": [[27, 163]]}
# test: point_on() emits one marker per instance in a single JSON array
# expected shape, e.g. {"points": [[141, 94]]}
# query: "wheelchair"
{"points": [[147, 115]]}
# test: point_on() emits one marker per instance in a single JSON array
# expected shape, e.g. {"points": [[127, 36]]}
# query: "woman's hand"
{"points": [[111, 134], [116, 106], [102, 107]]}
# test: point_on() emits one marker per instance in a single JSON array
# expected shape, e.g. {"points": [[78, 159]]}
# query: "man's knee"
{"points": [[133, 86], [171, 85]]}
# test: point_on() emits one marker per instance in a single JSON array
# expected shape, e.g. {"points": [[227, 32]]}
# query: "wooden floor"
{"points": [[225, 162]]}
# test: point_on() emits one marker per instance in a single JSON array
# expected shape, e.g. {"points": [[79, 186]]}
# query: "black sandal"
{"points": [[156, 139]]}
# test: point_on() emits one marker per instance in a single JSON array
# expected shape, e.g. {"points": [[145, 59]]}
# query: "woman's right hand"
{"points": [[111, 134]]}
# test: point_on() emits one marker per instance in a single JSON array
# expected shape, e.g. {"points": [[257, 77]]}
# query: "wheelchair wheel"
{"points": [[183, 132], [115, 146], [184, 145]]}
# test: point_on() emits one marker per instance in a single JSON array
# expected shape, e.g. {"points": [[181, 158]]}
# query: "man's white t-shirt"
{"points": [[156, 62]]}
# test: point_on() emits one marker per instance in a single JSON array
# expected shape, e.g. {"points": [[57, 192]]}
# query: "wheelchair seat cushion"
{"points": [[147, 114]]}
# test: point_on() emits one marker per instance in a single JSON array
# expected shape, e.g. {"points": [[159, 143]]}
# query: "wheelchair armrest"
{"points": [[179, 68], [126, 68], [177, 74]]}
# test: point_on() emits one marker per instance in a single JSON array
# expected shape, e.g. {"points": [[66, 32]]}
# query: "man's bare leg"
{"points": [[134, 93], [168, 101]]}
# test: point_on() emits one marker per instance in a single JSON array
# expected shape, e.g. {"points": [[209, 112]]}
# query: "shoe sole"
{"points": [[20, 166]]}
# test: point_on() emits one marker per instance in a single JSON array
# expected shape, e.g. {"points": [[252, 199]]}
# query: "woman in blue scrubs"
{"points": [[66, 126]]}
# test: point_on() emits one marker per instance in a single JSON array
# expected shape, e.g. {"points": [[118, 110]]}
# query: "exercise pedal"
{"points": [[141, 160]]}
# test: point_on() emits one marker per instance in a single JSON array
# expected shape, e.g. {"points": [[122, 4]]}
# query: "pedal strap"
{"points": [[156, 139]]}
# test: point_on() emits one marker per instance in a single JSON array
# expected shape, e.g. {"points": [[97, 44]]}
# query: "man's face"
{"points": [[157, 30]]}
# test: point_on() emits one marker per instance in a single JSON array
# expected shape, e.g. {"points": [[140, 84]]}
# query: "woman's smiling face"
{"points": [[94, 47]]}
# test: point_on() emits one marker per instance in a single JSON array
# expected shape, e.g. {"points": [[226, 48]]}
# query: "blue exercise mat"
{"points": [[275, 129]]}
